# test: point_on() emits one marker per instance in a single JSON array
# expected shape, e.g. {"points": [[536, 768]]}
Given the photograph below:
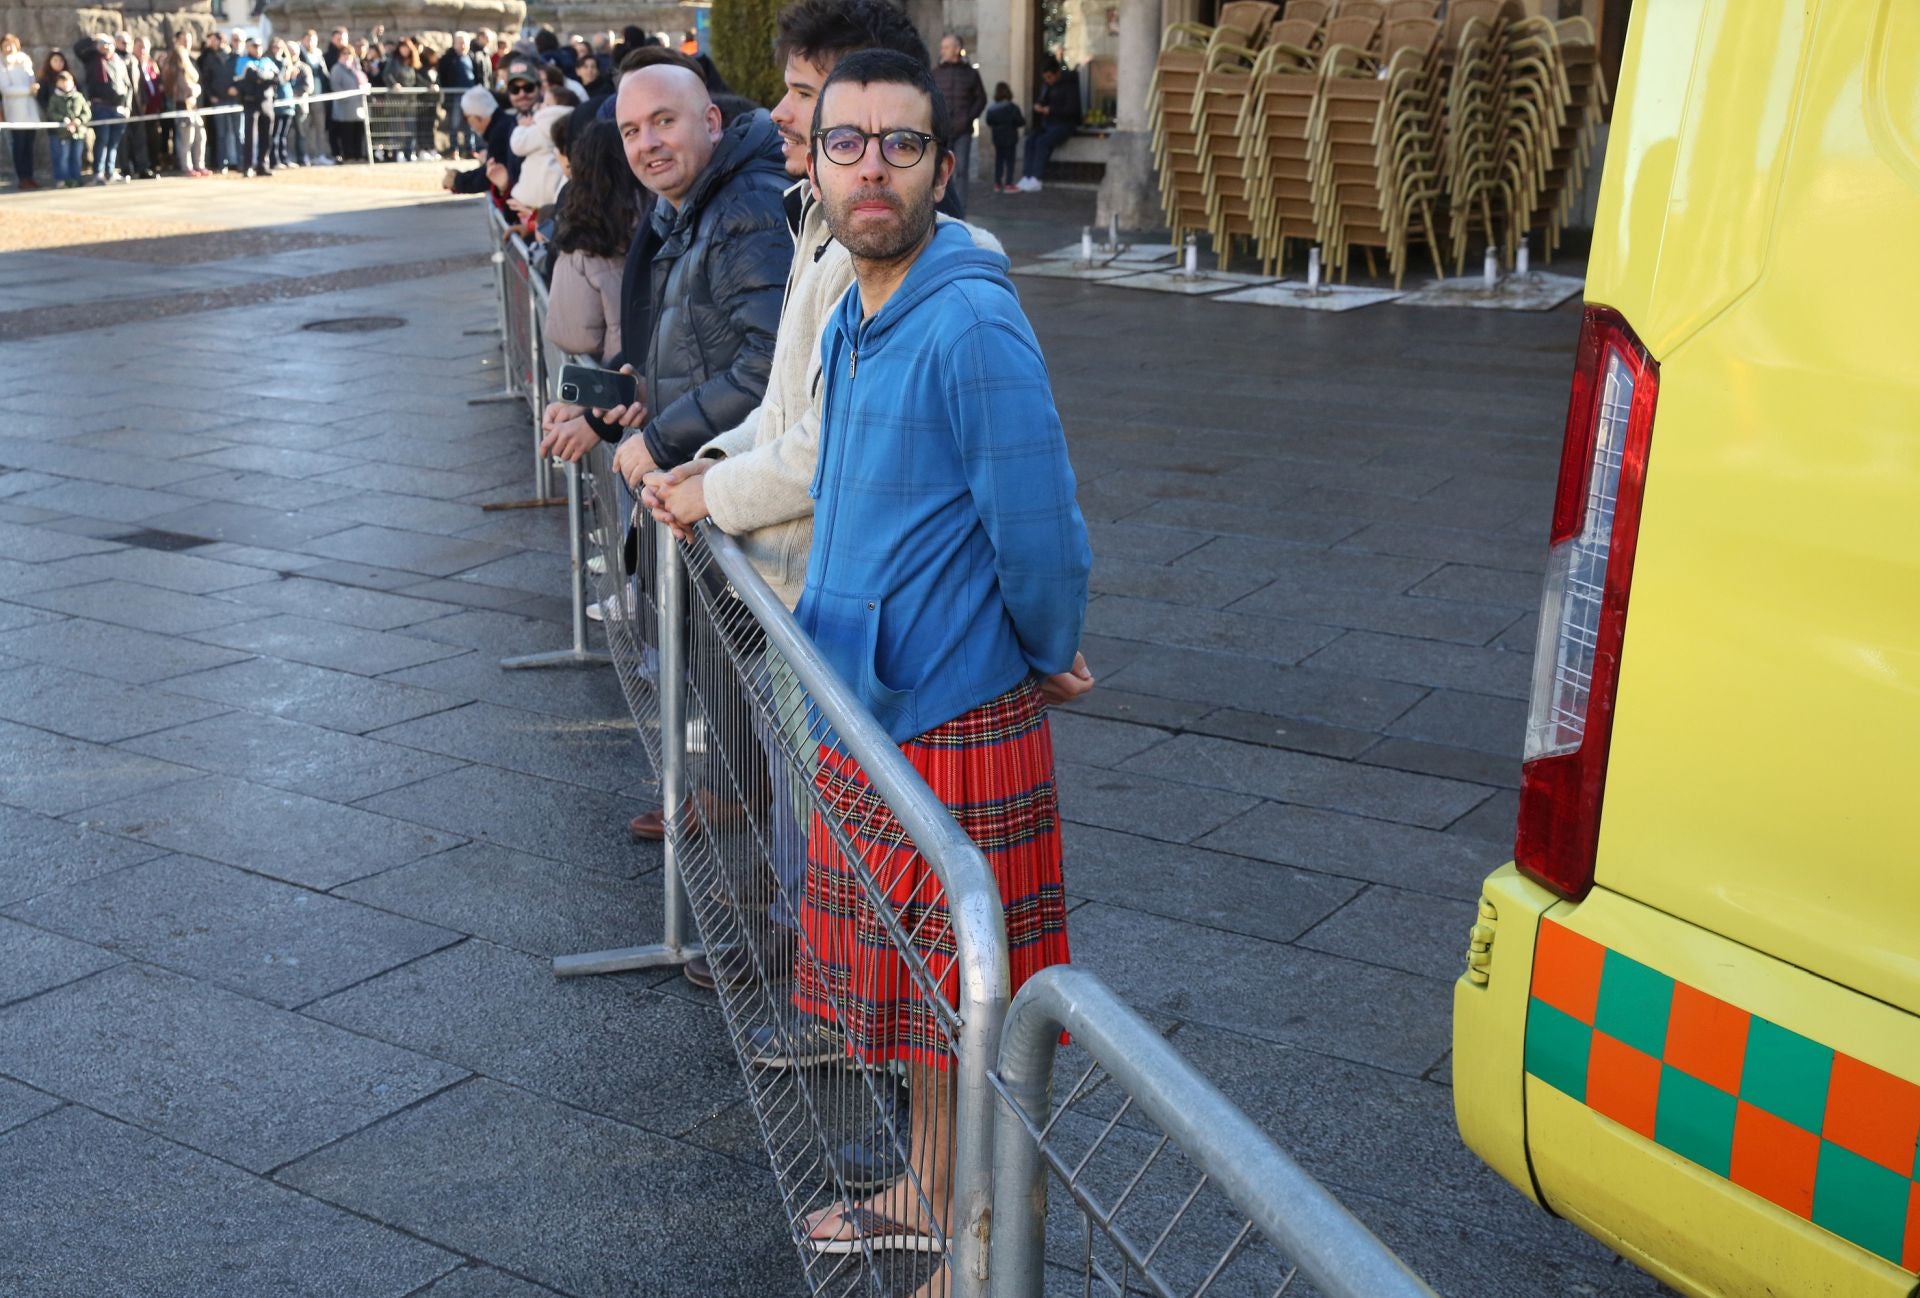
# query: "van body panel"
{"points": [[1767, 727], [1740, 1120]]}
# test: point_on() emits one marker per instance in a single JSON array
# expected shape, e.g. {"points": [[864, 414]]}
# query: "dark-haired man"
{"points": [[753, 480], [952, 609], [1056, 116]]}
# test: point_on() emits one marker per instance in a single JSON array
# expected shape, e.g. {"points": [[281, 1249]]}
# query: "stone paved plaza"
{"points": [[283, 852]]}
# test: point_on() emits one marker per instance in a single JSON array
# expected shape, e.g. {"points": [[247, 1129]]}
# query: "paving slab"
{"points": [[187, 573], [114, 652], [269, 940], [42, 852], [1308, 692], [33, 960], [225, 520], [1143, 804], [103, 500], [1429, 663], [316, 696], [565, 822], [20, 1105], [39, 545], [327, 644], [606, 1045], [604, 754], [1337, 1006], [530, 903], [1209, 889], [1447, 763], [87, 707], [53, 774], [1414, 931], [230, 1076], [270, 831], [99, 1207], [1305, 779], [1156, 622], [484, 1282], [1421, 860], [372, 610], [499, 1174], [585, 694], [284, 754]]}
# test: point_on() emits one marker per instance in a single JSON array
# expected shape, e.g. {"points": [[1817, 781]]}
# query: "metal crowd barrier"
{"points": [[1176, 1190], [828, 885]]}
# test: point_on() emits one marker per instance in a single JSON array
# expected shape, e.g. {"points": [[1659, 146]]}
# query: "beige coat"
{"points": [[758, 492], [583, 305]]}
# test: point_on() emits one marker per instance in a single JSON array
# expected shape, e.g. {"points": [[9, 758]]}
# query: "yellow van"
{"points": [[1690, 1021]]}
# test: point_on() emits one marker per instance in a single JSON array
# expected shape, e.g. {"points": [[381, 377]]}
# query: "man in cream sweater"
{"points": [[753, 480]]}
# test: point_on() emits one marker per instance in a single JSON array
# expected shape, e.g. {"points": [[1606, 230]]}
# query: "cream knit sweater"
{"points": [[758, 492]]}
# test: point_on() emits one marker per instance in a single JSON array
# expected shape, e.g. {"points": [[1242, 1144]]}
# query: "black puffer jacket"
{"points": [[716, 277]]}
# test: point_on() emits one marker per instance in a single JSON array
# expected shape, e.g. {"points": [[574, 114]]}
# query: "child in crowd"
{"points": [[71, 110], [539, 169], [1005, 119]]}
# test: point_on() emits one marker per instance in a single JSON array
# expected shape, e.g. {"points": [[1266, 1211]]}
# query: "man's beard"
{"points": [[882, 245]]}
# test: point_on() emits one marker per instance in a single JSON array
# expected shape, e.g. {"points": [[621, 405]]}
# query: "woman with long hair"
{"points": [[55, 64], [593, 227], [17, 105]]}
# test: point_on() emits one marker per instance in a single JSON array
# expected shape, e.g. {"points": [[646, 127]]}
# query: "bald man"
{"points": [[700, 298]]}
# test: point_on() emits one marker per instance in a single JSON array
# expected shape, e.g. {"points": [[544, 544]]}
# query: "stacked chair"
{"points": [[1176, 144], [1373, 138], [1375, 127]]}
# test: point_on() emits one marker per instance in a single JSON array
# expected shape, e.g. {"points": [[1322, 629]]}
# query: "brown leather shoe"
{"points": [[737, 967], [651, 826]]}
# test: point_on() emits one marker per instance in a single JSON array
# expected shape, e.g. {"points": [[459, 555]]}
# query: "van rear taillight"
{"points": [[1583, 609]]}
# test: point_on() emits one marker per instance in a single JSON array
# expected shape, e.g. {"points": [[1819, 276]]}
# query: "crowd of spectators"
{"points": [[113, 110]]}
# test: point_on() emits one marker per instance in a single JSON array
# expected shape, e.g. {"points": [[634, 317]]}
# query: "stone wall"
{"points": [[44, 26], [436, 20], [584, 17]]}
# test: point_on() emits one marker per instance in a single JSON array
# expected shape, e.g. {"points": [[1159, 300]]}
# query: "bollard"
{"points": [[1313, 269]]}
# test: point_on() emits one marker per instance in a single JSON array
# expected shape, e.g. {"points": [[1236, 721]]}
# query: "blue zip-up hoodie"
{"points": [[949, 559]]}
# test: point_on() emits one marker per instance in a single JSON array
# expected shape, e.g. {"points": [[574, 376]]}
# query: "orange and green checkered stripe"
{"points": [[1821, 1134]]}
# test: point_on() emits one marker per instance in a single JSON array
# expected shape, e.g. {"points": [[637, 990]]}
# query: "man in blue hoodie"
{"points": [[947, 584]]}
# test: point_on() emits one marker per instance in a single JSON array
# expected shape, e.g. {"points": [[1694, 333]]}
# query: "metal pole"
{"points": [[536, 387], [579, 655], [366, 121], [499, 260], [674, 948], [1341, 1257]]}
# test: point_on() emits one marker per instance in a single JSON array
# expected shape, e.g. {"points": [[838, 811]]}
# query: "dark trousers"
{"points": [[1040, 147], [21, 143], [282, 127], [1006, 162], [225, 145], [257, 148], [136, 150]]}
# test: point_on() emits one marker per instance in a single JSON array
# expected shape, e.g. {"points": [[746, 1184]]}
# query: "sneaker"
{"points": [[597, 565], [601, 609], [878, 1155], [1031, 185], [801, 1041]]}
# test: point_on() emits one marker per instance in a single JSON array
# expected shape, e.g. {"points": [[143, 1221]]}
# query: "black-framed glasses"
{"points": [[846, 145]]}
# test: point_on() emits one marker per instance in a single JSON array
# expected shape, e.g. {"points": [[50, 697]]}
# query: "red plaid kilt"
{"points": [[993, 768]]}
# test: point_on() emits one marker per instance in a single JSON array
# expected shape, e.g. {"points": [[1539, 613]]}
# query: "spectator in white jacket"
{"points": [[18, 106], [540, 177]]}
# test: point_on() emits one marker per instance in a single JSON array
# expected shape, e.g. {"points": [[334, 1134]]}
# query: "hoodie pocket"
{"points": [[886, 699]]}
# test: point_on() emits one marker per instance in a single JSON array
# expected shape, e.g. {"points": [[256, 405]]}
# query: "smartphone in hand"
{"points": [[597, 389]]}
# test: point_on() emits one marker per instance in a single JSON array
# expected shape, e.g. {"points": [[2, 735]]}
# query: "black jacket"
{"points": [[499, 144], [216, 77], [709, 284], [1062, 99]]}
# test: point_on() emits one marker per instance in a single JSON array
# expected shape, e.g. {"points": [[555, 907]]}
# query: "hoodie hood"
{"points": [[951, 255]]}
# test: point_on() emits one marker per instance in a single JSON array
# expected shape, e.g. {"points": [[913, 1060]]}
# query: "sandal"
{"points": [[871, 1230]]}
